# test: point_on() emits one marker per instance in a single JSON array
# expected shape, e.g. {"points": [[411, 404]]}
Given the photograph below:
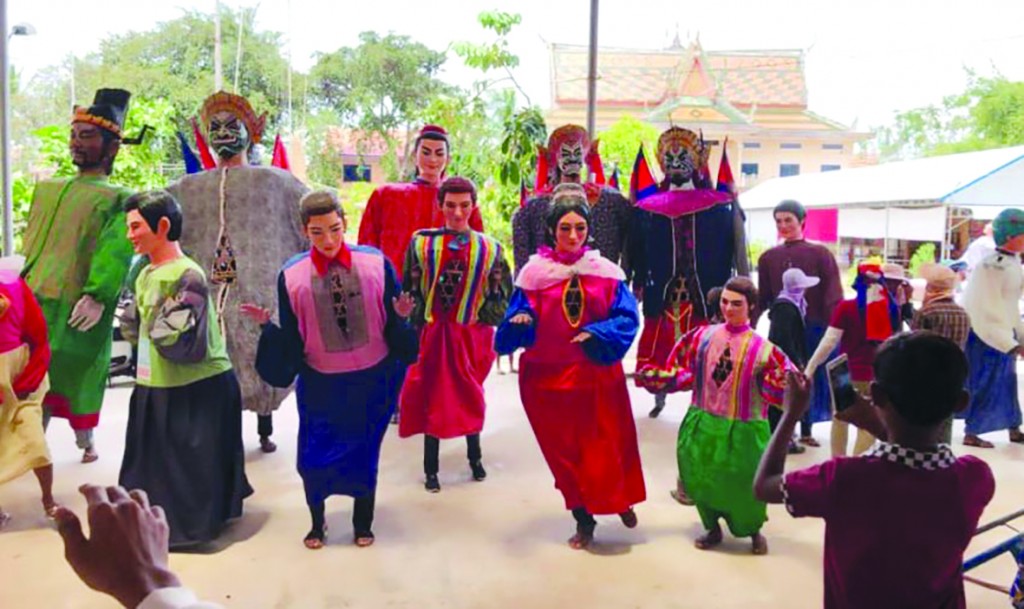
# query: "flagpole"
{"points": [[5, 134]]}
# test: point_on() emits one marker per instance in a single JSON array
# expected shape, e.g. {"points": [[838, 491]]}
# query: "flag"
{"points": [[191, 162], [726, 183], [595, 168], [614, 181], [522, 193], [204, 150], [541, 184], [642, 183], [280, 158]]}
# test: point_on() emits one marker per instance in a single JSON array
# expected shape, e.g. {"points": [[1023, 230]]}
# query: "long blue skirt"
{"points": [[992, 381], [821, 400], [342, 421]]}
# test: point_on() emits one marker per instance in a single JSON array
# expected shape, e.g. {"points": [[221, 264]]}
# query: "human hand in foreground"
{"points": [[256, 313], [797, 398], [403, 304], [581, 337], [86, 314], [863, 415], [125, 555], [522, 318]]}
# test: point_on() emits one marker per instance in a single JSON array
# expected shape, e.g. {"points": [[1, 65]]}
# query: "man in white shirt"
{"points": [[997, 332], [125, 555]]}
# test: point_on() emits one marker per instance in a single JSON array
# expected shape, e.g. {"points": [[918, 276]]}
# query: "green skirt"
{"points": [[718, 458]]}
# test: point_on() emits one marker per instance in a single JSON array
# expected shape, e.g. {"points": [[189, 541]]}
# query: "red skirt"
{"points": [[443, 394], [581, 415]]}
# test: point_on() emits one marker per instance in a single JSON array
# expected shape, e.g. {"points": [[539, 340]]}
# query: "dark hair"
{"points": [[790, 206], [456, 185], [922, 373], [563, 203], [743, 285], [712, 301], [319, 203], [153, 205]]}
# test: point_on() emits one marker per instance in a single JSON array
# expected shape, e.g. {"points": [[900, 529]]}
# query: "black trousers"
{"points": [[362, 513], [432, 446], [775, 416], [265, 425]]}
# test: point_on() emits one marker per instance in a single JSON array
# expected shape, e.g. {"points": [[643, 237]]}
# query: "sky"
{"points": [[865, 60]]}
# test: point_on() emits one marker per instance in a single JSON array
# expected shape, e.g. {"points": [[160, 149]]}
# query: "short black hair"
{"points": [[790, 206], [922, 373], [153, 205], [456, 185]]}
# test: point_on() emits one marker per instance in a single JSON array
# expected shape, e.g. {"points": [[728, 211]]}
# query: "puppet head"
{"points": [[96, 131], [232, 125], [432, 150], [681, 153]]}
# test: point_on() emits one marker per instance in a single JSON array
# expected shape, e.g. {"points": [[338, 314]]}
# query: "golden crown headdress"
{"points": [[222, 101]]}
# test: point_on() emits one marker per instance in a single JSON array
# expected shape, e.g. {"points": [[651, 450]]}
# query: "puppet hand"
{"points": [[86, 314], [522, 318], [125, 555], [404, 304], [582, 336], [256, 313]]}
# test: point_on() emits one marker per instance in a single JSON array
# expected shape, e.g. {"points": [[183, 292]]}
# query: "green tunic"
{"points": [[174, 308], [76, 244]]}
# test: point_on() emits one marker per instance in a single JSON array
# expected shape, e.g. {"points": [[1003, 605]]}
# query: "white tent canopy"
{"points": [[985, 182]]}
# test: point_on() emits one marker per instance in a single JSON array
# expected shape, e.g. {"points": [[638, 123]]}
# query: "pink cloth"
{"points": [[894, 535], [11, 333], [675, 203], [299, 278]]}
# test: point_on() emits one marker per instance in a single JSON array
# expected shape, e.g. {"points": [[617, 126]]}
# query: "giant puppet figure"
{"points": [[569, 149], [396, 211], [687, 239], [77, 256], [243, 224]]}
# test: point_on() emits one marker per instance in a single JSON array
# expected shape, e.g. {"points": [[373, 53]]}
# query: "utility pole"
{"points": [[218, 64], [592, 71]]}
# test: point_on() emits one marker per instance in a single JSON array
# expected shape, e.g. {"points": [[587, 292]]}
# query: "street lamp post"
{"points": [[22, 29]]}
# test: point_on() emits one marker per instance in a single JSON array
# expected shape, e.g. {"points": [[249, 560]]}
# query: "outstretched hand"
{"points": [[86, 314], [256, 313], [404, 304], [522, 319], [125, 555], [581, 337]]}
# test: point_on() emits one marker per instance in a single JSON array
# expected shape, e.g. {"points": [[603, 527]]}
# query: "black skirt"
{"points": [[183, 446]]}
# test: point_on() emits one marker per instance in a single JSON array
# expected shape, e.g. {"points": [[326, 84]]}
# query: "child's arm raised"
{"points": [[768, 481]]}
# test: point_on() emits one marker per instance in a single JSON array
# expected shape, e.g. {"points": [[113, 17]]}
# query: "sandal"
{"points": [[90, 455], [975, 441], [583, 538], [680, 497], [795, 449], [1017, 436], [629, 518], [709, 540], [4, 519], [809, 441], [51, 510], [315, 540], [364, 539], [759, 545]]}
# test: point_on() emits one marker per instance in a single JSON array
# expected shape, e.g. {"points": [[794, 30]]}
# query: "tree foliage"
{"points": [[989, 113], [619, 144]]}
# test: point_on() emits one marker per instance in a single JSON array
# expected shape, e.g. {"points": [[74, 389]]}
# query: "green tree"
{"points": [[989, 113], [619, 144]]}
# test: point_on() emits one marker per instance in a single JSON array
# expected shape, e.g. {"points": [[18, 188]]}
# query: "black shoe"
{"points": [[659, 405], [433, 485], [479, 473], [267, 445]]}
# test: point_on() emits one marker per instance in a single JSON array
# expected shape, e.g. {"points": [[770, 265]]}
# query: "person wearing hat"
{"points": [[899, 288], [941, 314], [857, 327], [243, 224], [788, 332], [76, 259], [815, 260], [997, 332], [396, 211], [568, 152]]}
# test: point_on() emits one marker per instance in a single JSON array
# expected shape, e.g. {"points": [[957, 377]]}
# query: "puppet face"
{"points": [[789, 226], [144, 240], [457, 208], [431, 158], [678, 165], [570, 159], [229, 136], [326, 232], [735, 308], [88, 148], [570, 233]]}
